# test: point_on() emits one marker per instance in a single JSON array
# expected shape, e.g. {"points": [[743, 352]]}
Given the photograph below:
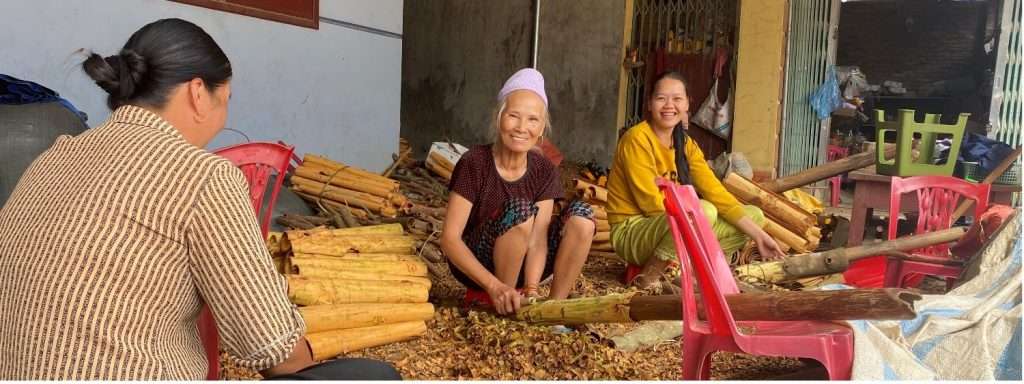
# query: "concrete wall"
{"points": [[581, 51], [915, 42], [759, 80], [455, 56], [333, 91], [458, 53]]}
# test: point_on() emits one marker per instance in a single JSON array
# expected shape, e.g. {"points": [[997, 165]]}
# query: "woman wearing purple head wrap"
{"points": [[499, 232]]}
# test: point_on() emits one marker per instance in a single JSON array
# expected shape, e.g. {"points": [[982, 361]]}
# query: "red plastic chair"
{"points": [[829, 343], [834, 153], [258, 161], [938, 197]]}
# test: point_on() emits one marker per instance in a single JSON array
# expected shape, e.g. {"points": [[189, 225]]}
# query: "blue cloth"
{"points": [[988, 153], [14, 91]]}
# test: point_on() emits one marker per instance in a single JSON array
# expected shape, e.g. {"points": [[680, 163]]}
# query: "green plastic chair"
{"points": [[903, 165]]}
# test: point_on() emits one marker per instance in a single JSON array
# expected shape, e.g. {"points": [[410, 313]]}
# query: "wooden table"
{"points": [[872, 191]]}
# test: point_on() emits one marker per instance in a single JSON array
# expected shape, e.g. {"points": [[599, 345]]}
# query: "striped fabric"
{"points": [[108, 247]]}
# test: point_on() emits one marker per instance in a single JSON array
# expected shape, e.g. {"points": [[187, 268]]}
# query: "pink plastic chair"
{"points": [[829, 343], [834, 153], [937, 197], [258, 161]]}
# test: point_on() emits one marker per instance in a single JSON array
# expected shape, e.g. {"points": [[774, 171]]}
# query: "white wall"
{"points": [[333, 91]]}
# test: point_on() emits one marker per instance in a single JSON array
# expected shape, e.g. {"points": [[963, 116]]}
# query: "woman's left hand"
{"points": [[768, 248]]}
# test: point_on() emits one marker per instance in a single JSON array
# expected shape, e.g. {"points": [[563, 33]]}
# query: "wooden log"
{"points": [[381, 257], [602, 247], [351, 181], [846, 304], [837, 260], [383, 229], [349, 269], [403, 154], [998, 171], [327, 345], [355, 244], [421, 210], [778, 207], [600, 212], [340, 195], [843, 304], [365, 190], [411, 266], [308, 291], [785, 237], [827, 170], [334, 165], [441, 161], [360, 213], [603, 226], [320, 318], [438, 169], [274, 243], [602, 237]]}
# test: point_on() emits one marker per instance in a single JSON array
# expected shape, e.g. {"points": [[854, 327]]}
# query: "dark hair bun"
{"points": [[120, 75]]}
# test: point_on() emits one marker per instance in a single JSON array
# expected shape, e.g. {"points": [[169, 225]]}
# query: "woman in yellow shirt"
{"points": [[636, 209]]}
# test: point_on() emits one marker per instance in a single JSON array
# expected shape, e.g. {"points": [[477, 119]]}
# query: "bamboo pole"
{"points": [[320, 318], [309, 291], [992, 176], [340, 245], [326, 345], [838, 260], [315, 186], [362, 267]]}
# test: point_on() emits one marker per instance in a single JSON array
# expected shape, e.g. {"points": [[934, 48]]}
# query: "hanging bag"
{"points": [[713, 115]]}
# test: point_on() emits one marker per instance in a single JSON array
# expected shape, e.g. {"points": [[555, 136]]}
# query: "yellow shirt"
{"points": [[640, 158]]}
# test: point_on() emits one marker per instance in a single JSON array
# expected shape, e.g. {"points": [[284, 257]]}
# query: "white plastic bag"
{"points": [[715, 116]]}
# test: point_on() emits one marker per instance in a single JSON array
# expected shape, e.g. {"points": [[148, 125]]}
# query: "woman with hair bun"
{"points": [[114, 239]]}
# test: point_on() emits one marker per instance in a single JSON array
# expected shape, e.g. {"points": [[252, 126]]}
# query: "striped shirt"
{"points": [[109, 245]]}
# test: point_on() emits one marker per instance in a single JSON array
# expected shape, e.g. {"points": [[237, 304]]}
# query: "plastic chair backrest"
{"points": [[836, 152], [692, 232], [937, 198], [258, 161]]}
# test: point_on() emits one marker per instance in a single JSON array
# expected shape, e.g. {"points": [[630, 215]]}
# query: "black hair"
{"points": [[158, 57]]}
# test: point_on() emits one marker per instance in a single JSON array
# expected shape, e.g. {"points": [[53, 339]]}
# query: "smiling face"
{"points": [[522, 121], [669, 105]]}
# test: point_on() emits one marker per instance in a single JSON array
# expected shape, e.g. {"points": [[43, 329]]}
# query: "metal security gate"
{"points": [[1006, 113], [689, 26], [811, 50]]}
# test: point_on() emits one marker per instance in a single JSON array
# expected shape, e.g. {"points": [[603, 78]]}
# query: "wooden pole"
{"points": [[992, 176], [837, 260], [845, 304], [785, 212], [827, 170], [325, 345]]}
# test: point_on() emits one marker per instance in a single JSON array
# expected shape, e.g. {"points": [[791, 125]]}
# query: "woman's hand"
{"points": [[768, 248], [506, 299], [766, 245]]}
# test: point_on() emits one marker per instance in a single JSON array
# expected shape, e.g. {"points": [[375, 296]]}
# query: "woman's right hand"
{"points": [[506, 299]]}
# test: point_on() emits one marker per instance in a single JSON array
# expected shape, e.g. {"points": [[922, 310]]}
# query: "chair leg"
{"points": [[893, 274], [693, 356], [705, 367]]}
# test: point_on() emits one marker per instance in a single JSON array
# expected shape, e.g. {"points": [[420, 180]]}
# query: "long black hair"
{"points": [[158, 57], [679, 136]]}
